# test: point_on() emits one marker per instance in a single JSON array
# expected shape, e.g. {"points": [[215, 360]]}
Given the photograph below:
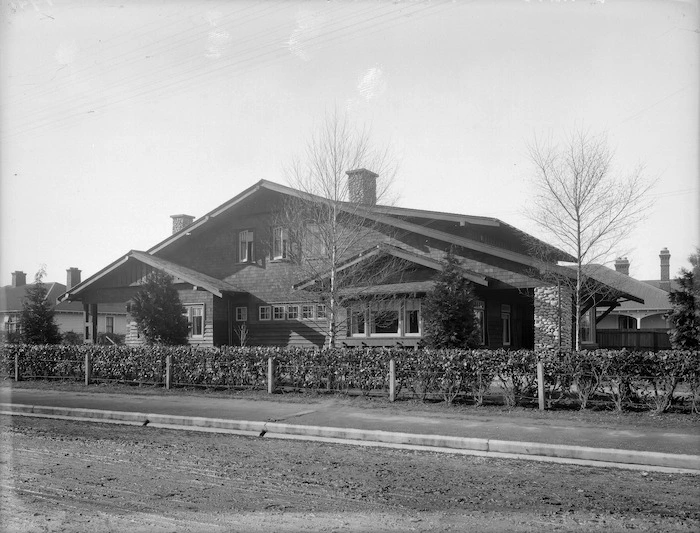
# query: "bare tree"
{"points": [[333, 246], [583, 204]]}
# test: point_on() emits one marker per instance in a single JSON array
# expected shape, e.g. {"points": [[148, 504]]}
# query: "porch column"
{"points": [[553, 317], [90, 314]]}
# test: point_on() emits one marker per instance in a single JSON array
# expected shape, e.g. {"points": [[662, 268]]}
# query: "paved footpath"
{"points": [[342, 418]]}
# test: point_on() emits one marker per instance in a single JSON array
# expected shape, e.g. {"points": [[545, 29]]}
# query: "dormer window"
{"points": [[245, 239], [280, 243]]}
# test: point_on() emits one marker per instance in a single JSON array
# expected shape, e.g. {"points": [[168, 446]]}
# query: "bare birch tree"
{"points": [[583, 204], [325, 224]]}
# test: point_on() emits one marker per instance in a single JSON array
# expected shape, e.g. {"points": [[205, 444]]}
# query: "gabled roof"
{"points": [[11, 297], [386, 215], [399, 253], [625, 286], [179, 272]]}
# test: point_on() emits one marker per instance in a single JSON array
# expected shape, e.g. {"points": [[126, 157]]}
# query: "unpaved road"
{"points": [[73, 476]]}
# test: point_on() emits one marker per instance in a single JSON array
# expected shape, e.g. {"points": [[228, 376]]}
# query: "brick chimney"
{"points": [[622, 265], [362, 186], [19, 278], [180, 222], [665, 257], [72, 277]]}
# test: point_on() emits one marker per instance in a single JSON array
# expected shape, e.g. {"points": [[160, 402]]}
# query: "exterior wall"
{"points": [[553, 317], [655, 322]]}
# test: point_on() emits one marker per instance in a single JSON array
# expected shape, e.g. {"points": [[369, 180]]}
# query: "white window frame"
{"points": [[109, 326], [246, 246], [375, 307], [293, 312], [264, 313], [506, 324], [408, 306], [307, 312], [279, 312], [189, 308], [241, 314], [358, 310], [280, 243], [321, 312]]}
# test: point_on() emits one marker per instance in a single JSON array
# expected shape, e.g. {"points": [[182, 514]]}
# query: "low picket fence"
{"points": [[614, 379]]}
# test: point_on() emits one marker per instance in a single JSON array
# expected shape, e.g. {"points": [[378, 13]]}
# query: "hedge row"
{"points": [[616, 377]]}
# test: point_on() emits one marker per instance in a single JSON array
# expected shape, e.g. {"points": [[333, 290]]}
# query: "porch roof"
{"points": [[213, 285]]}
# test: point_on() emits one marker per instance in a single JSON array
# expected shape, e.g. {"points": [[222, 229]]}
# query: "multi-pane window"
{"points": [[264, 312], [245, 241], [278, 312], [412, 317], [280, 243], [480, 319], [314, 245], [195, 320], [292, 312], [505, 321], [307, 312], [109, 324], [321, 311], [241, 314]]}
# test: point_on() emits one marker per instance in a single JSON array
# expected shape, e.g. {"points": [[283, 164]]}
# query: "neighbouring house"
{"points": [[235, 277], [69, 316], [640, 325]]}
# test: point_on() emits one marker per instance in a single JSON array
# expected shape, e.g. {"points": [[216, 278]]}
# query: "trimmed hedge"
{"points": [[616, 378]]}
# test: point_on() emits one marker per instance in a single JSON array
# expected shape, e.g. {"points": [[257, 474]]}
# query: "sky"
{"points": [[116, 115]]}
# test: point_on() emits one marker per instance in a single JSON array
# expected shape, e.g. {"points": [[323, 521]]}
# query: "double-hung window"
{"points": [[412, 319], [109, 324], [280, 243], [245, 242], [292, 312], [264, 312], [195, 320], [241, 314], [321, 311], [307, 312], [278, 312]]}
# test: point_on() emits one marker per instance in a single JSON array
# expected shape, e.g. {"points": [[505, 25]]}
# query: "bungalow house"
{"points": [[238, 280], [68, 315]]}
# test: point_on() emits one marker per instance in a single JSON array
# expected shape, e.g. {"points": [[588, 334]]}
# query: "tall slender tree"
{"points": [[37, 322], [583, 204], [325, 224]]}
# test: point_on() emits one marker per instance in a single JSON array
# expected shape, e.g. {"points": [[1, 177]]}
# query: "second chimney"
{"points": [[19, 278], [622, 265], [362, 186], [72, 277], [180, 222], [665, 257]]}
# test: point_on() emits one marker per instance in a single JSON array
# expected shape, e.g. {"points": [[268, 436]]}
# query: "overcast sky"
{"points": [[116, 115]]}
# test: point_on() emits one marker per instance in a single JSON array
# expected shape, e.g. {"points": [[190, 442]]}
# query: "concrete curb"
{"points": [[580, 453]]}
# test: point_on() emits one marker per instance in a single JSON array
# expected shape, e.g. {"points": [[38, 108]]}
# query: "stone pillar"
{"points": [[553, 317]]}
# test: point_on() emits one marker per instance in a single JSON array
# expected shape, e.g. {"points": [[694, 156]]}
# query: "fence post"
{"points": [[17, 376], [392, 380], [270, 375], [540, 384], [88, 370], [168, 371]]}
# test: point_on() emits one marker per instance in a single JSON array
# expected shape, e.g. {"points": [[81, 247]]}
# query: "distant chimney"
{"points": [[362, 186], [19, 278], [622, 265], [72, 277], [665, 257], [180, 222]]}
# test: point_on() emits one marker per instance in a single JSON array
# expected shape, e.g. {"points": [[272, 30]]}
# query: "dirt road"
{"points": [[72, 476]]}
